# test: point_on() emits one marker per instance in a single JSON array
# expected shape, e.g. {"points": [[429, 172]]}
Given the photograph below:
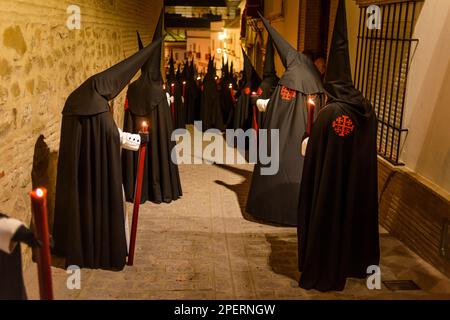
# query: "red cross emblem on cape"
{"points": [[247, 91], [287, 94], [259, 92], [343, 126]]}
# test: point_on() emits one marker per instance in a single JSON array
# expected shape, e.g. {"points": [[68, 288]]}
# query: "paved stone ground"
{"points": [[204, 246]]}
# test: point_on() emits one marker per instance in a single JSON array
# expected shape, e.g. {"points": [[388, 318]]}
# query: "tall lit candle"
{"points": [[184, 91], [138, 192], [39, 211], [311, 110]]}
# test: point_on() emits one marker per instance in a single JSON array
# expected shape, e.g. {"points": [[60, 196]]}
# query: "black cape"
{"points": [[11, 278], [192, 96], [211, 107], [147, 101], [89, 226], [243, 112], [274, 198], [338, 213], [268, 84]]}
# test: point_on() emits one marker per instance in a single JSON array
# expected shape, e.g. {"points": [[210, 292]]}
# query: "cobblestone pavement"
{"points": [[203, 246]]}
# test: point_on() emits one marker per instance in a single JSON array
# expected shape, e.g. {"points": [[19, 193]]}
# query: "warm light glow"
{"points": [[219, 50], [144, 124], [215, 77], [164, 87], [230, 86], [39, 192], [253, 93], [172, 85], [311, 101], [199, 78], [184, 82]]}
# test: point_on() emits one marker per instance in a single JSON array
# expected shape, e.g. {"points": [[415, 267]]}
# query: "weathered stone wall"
{"points": [[41, 62]]}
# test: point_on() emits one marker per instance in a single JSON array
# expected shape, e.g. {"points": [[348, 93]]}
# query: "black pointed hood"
{"points": [[171, 75], [140, 44], [92, 96], [270, 78], [301, 74], [152, 69], [338, 78], [252, 78], [147, 92], [178, 76]]}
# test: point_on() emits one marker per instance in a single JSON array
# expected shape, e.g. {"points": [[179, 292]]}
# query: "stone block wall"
{"points": [[41, 62]]}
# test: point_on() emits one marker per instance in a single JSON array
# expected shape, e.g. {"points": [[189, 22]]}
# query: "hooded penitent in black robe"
{"points": [[338, 215], [89, 226], [243, 111], [274, 198], [193, 95], [268, 84], [176, 90], [227, 96], [147, 101], [12, 233], [211, 109]]}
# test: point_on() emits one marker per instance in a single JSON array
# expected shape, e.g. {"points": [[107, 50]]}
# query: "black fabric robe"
{"points": [[338, 215], [11, 278], [211, 107], [89, 211], [338, 211], [89, 225], [274, 198], [146, 100], [161, 181], [179, 106]]}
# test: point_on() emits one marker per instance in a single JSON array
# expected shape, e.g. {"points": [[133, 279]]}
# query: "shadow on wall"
{"points": [[43, 174]]}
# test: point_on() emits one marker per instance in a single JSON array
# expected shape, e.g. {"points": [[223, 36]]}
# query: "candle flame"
{"points": [[311, 101], [230, 86], [172, 85], [144, 124], [39, 192], [198, 78], [164, 87], [184, 82]]}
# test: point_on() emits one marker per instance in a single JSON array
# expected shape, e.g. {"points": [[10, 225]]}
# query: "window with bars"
{"points": [[381, 72]]}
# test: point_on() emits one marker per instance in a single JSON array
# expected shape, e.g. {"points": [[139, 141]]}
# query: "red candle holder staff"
{"points": [[255, 119], [39, 211], [138, 191]]}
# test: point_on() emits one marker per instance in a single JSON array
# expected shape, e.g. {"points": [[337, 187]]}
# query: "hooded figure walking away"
{"points": [[180, 111], [268, 84], [338, 215], [243, 112], [193, 94], [227, 96], [274, 198], [89, 227], [148, 101], [211, 109]]}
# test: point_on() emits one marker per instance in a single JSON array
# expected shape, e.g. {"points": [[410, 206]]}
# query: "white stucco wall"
{"points": [[427, 112]]}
